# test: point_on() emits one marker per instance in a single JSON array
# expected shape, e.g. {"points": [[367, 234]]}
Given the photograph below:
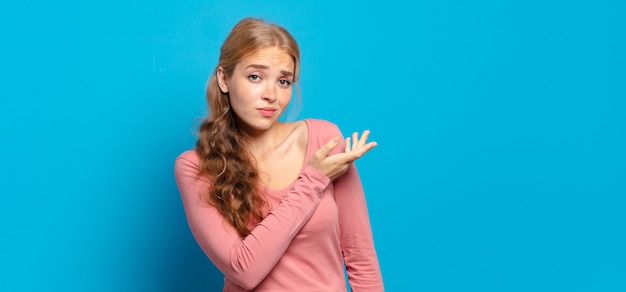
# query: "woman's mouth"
{"points": [[267, 111]]}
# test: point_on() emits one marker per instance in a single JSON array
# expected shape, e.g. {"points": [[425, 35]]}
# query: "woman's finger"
{"points": [[329, 146], [366, 148], [363, 139], [355, 139]]}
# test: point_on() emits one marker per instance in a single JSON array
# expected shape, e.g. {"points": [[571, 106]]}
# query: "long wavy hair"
{"points": [[224, 157]]}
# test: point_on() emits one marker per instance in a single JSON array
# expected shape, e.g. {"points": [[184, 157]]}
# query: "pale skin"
{"points": [[260, 89]]}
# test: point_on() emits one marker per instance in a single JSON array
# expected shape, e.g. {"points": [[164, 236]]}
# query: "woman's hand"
{"points": [[335, 165]]}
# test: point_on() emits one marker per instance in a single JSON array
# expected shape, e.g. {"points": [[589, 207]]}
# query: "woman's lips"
{"points": [[267, 111]]}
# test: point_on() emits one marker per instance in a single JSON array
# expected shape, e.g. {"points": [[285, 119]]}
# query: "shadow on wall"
{"points": [[182, 266], [186, 268], [155, 249], [177, 263]]}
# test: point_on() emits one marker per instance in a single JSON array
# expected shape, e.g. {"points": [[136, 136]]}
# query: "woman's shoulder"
{"points": [[320, 126], [189, 159], [190, 155], [321, 131]]}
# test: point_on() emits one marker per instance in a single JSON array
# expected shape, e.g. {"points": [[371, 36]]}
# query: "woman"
{"points": [[276, 206]]}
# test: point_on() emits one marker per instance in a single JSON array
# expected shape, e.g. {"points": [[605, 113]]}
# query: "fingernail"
{"points": [[336, 139]]}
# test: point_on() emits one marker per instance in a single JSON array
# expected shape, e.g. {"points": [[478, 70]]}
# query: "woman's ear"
{"points": [[221, 79]]}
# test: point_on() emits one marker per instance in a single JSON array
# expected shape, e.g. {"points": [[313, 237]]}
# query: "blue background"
{"points": [[501, 126]]}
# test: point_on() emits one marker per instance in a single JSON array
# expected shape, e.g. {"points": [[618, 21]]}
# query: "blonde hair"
{"points": [[221, 146]]}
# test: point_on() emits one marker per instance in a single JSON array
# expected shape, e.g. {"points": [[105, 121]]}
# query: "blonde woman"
{"points": [[276, 206]]}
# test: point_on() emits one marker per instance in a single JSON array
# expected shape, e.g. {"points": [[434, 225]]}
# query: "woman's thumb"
{"points": [[329, 146]]}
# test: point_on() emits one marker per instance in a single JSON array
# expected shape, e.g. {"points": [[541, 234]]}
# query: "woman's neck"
{"points": [[262, 142]]}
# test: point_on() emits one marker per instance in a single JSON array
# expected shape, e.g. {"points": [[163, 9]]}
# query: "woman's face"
{"points": [[260, 87]]}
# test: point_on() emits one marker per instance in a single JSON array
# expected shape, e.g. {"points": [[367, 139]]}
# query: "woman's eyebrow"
{"points": [[258, 66], [265, 67]]}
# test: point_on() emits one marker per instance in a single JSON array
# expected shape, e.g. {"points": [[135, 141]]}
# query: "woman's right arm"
{"points": [[246, 261]]}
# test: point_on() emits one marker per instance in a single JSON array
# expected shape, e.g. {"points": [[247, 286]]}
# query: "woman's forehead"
{"points": [[269, 57]]}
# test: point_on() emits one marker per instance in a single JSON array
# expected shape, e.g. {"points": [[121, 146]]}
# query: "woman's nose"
{"points": [[269, 93]]}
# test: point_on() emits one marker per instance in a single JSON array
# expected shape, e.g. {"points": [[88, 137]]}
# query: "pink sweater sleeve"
{"points": [[357, 241], [246, 261], [356, 236]]}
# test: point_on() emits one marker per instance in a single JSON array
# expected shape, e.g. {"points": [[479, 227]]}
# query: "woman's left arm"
{"points": [[356, 237]]}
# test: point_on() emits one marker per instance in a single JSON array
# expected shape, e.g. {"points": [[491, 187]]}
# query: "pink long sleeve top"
{"points": [[315, 225]]}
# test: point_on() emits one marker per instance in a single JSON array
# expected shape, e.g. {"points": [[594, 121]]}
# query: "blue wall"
{"points": [[501, 125]]}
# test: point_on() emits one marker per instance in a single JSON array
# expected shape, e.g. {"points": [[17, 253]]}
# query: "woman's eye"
{"points": [[254, 77], [284, 82]]}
